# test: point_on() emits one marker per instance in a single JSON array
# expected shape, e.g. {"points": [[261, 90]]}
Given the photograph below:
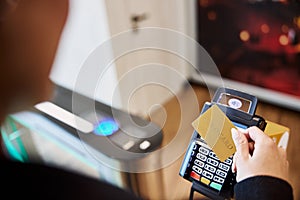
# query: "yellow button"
{"points": [[205, 180]]}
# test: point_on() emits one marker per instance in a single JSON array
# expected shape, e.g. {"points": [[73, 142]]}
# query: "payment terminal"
{"points": [[201, 166]]}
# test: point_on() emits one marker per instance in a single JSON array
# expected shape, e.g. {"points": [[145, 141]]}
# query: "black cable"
{"points": [[191, 193]]}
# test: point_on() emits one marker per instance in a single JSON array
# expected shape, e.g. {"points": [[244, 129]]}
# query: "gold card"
{"points": [[215, 128], [279, 133]]}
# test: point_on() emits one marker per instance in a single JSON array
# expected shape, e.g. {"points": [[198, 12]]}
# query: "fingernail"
{"points": [[233, 169], [234, 133]]}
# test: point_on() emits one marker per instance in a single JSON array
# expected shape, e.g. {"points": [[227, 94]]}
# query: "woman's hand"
{"points": [[257, 154]]}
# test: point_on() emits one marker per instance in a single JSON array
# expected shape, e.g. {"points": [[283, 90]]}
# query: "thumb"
{"points": [[241, 144]]}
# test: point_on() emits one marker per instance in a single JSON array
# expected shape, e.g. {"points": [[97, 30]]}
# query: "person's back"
{"points": [[36, 181], [30, 31]]}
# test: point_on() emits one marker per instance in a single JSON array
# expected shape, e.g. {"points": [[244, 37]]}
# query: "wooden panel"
{"points": [[290, 119], [180, 111]]}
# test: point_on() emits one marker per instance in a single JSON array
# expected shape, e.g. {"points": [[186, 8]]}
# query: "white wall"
{"points": [[86, 28], [148, 76]]}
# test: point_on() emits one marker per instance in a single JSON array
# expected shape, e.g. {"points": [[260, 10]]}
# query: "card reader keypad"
{"points": [[201, 166], [206, 168]]}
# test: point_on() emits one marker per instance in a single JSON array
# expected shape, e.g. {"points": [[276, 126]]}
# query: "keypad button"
{"points": [[207, 168], [207, 174], [216, 186], [195, 147], [197, 169], [210, 168], [205, 180], [224, 167], [213, 155], [195, 176], [228, 161], [221, 173], [201, 156], [199, 163], [212, 162], [203, 150], [193, 153], [218, 179]]}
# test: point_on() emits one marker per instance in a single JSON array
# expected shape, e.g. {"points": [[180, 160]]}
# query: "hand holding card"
{"points": [[215, 128]]}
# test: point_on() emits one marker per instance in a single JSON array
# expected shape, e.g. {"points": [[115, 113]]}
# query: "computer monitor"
{"points": [[255, 45]]}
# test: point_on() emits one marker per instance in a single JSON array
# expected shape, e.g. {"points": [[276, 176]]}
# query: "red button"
{"points": [[195, 176]]}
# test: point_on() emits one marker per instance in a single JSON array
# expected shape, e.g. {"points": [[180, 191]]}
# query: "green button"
{"points": [[216, 186]]}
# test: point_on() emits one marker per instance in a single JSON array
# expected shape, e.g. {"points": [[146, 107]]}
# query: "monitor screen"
{"points": [[256, 42]]}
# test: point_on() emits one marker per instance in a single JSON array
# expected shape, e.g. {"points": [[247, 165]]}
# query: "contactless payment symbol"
{"points": [[235, 103], [106, 127]]}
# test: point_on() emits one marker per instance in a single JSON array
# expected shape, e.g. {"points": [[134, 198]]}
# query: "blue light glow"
{"points": [[106, 127]]}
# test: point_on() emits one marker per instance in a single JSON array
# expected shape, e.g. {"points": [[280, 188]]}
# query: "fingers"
{"points": [[251, 149], [233, 166], [257, 135], [285, 162], [282, 152], [283, 142], [241, 144]]}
